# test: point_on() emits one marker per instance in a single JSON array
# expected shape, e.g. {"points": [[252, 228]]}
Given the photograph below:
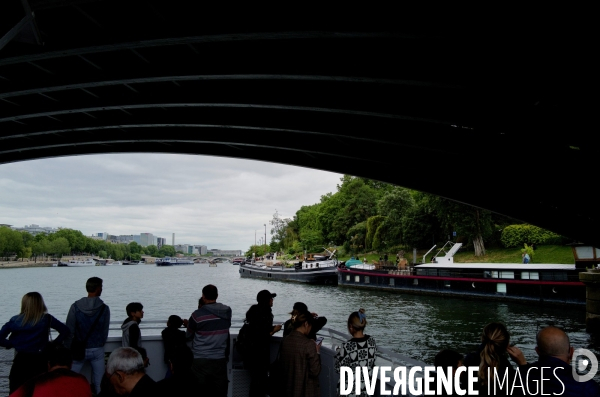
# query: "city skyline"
{"points": [[218, 202]]}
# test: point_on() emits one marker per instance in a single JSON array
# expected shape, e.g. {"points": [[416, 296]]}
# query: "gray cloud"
{"points": [[217, 202]]}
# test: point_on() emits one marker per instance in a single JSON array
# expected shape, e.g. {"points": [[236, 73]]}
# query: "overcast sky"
{"points": [[212, 201]]}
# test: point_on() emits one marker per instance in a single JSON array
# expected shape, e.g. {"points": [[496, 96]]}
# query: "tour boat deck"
{"points": [[238, 377]]}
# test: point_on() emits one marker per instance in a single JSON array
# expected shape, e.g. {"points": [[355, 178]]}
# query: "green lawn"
{"points": [[543, 254]]}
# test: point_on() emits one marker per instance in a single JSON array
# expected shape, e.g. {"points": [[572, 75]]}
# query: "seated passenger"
{"points": [[492, 357], [358, 351], [555, 355], [444, 359], [318, 323], [125, 372], [58, 381], [182, 382]]}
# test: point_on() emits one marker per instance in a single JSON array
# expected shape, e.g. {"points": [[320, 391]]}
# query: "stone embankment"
{"points": [[25, 263]]}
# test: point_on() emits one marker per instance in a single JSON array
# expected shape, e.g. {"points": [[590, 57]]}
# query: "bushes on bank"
{"points": [[517, 235]]}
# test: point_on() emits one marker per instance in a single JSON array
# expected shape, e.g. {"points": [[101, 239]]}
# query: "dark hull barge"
{"points": [[547, 284]]}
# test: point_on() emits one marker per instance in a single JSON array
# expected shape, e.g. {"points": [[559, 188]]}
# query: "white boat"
{"points": [[315, 269], [169, 261], [77, 262]]}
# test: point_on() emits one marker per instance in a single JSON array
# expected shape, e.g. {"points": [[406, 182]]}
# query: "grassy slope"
{"points": [[543, 254]]}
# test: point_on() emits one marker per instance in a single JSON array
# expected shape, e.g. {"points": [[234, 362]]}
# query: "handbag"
{"points": [[78, 345]]}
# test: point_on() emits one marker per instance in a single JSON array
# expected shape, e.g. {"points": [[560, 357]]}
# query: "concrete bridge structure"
{"points": [[496, 115]]}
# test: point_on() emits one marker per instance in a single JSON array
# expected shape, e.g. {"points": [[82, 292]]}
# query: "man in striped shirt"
{"points": [[208, 327]]}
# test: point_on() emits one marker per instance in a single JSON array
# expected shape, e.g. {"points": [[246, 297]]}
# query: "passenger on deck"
{"points": [[29, 337], [125, 372], [182, 382], [58, 381], [444, 359], [173, 337], [358, 351], [132, 337], [555, 355], [208, 327], [260, 329], [88, 320], [318, 323], [300, 360], [492, 355]]}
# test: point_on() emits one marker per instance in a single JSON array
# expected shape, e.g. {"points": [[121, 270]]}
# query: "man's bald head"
{"points": [[553, 342]]}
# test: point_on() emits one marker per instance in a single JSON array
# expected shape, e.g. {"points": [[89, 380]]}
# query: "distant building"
{"points": [[100, 236], [200, 249], [137, 238], [36, 229], [146, 239], [160, 241]]}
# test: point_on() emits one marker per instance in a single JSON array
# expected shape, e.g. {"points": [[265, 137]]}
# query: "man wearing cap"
{"points": [[209, 328], [318, 323], [260, 322]]}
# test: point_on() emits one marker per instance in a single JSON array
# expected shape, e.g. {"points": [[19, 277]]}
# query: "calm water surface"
{"points": [[417, 326]]}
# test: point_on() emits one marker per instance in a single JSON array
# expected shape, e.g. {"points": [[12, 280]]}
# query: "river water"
{"points": [[414, 325]]}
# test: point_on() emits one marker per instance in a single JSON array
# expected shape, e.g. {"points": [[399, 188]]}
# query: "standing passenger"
{"points": [[82, 315], [358, 351], [260, 329], [209, 328], [132, 337], [29, 336], [300, 359]]}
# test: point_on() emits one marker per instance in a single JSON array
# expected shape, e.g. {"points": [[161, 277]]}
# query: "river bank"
{"points": [[20, 264]]}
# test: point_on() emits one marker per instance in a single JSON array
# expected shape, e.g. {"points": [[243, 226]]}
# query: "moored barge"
{"points": [[551, 284]]}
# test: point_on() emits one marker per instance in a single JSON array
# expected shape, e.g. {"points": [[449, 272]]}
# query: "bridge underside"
{"points": [[494, 118]]}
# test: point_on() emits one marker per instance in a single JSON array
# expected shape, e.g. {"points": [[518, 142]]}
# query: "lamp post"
{"points": [[265, 233]]}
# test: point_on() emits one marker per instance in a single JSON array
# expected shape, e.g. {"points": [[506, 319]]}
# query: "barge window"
{"points": [[506, 274], [530, 275], [447, 284], [392, 282], [444, 273], [357, 279], [494, 273], [421, 272], [501, 288], [347, 277], [555, 276], [416, 281], [367, 280]]}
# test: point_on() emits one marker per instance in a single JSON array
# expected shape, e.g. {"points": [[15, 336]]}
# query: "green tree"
{"points": [[134, 248], [473, 223], [103, 254], [395, 204], [11, 241], [152, 250], [166, 250], [60, 246], [76, 240]]}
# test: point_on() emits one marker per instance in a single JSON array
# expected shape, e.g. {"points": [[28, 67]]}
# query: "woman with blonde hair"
{"points": [[358, 351], [492, 358], [300, 360], [29, 336]]}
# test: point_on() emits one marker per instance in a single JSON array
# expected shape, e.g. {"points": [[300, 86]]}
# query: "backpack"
{"points": [[243, 341]]}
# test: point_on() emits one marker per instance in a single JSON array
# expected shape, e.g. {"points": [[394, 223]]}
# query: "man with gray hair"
{"points": [[552, 374], [125, 371]]}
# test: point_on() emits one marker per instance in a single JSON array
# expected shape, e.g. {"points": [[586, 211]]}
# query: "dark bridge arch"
{"points": [[493, 119]]}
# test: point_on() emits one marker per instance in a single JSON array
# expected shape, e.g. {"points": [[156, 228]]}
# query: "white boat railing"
{"points": [[239, 377]]}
